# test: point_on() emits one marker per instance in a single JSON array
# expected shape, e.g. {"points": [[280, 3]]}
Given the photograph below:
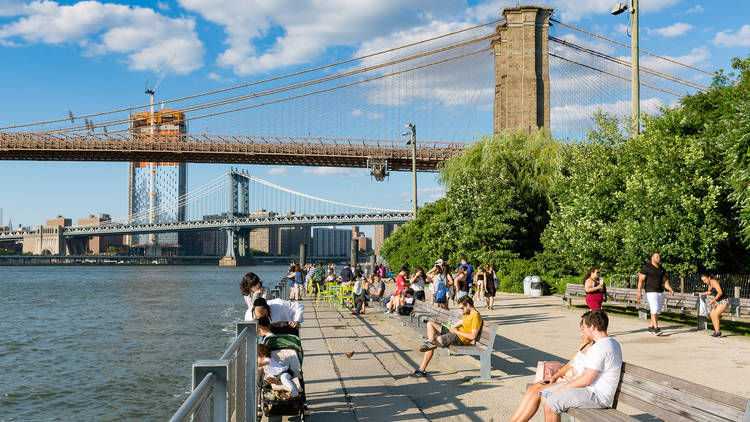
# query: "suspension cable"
{"points": [[301, 72]]}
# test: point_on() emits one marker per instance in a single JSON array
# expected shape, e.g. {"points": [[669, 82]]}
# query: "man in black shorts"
{"points": [[655, 279]]}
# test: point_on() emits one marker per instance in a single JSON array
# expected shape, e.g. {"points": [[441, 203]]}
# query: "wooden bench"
{"points": [[482, 346], [667, 398], [683, 303]]}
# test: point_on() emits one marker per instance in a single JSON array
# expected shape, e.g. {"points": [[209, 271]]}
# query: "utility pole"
{"points": [[635, 67], [412, 129]]}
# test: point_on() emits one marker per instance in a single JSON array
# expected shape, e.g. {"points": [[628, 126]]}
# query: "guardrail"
{"points": [[225, 389]]}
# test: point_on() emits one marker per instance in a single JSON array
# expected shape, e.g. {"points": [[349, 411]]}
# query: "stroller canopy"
{"points": [[285, 341]]}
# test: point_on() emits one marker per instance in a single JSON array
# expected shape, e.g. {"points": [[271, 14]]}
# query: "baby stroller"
{"points": [[287, 350]]}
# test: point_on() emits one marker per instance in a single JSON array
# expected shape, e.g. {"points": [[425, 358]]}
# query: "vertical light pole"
{"points": [[412, 130], [635, 84]]}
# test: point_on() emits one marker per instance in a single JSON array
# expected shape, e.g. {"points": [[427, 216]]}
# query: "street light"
{"points": [[635, 84], [411, 129]]}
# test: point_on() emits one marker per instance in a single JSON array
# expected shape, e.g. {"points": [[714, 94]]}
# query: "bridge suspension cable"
{"points": [[173, 100], [641, 51], [300, 85]]}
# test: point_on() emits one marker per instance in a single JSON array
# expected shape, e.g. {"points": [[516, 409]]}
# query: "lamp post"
{"points": [[412, 130], [635, 84]]}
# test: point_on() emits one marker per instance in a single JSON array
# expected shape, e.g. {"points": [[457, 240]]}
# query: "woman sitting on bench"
{"points": [[531, 399]]}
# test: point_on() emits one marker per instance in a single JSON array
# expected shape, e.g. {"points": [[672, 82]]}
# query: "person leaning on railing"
{"points": [[252, 289], [285, 316]]}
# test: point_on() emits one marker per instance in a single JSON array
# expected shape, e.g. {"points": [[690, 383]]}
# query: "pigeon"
{"points": [[349, 354]]}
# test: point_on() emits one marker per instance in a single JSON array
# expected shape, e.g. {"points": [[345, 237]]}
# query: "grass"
{"points": [[738, 328]]}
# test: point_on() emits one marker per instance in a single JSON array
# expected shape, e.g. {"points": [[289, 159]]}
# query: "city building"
{"points": [[331, 242], [382, 231], [59, 221], [265, 239], [154, 189], [364, 243], [99, 244]]}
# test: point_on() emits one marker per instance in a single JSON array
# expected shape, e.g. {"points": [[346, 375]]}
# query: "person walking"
{"points": [[653, 276], [480, 282], [461, 282], [595, 290], [440, 281], [718, 305], [490, 289]]}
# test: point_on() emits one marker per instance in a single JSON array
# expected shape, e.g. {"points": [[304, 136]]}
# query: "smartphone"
{"points": [[545, 382]]}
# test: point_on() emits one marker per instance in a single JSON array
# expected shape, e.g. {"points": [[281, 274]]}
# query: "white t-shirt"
{"points": [[273, 368], [606, 357], [418, 285]]}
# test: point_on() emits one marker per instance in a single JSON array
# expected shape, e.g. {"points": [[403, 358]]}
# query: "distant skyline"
{"points": [[93, 56]]}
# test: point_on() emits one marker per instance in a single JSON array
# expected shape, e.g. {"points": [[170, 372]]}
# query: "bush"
{"points": [[510, 278]]}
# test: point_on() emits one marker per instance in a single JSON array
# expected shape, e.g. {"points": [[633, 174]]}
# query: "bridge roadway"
{"points": [[270, 150], [225, 224]]}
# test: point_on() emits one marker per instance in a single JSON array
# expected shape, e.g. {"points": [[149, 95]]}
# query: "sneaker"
{"points": [[651, 330], [716, 334], [657, 331], [427, 346], [417, 374]]}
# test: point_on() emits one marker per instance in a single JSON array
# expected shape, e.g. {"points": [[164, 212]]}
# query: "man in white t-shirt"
{"points": [[595, 388]]}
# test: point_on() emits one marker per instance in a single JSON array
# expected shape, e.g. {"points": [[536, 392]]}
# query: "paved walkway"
{"points": [[373, 384]]}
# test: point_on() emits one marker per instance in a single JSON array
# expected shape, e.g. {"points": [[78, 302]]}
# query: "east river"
{"points": [[111, 343]]}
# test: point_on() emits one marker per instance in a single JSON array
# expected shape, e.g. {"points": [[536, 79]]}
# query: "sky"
{"points": [[93, 56]]}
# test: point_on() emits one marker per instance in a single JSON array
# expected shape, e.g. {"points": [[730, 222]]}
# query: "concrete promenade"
{"points": [[373, 385]]}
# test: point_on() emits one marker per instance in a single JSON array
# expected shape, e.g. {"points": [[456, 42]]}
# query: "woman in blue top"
{"points": [[297, 281]]}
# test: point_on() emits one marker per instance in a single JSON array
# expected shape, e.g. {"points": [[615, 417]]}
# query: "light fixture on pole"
{"points": [[635, 83], [412, 130]]}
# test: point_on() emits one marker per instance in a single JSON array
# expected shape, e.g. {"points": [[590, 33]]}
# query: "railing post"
{"points": [[251, 383], [220, 368]]}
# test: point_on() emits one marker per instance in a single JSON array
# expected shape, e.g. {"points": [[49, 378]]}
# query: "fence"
{"points": [[226, 389], [689, 283]]}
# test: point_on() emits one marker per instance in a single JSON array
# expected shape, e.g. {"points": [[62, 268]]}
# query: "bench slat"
{"points": [[651, 408], [729, 399], [699, 404], [603, 415], [671, 403]]}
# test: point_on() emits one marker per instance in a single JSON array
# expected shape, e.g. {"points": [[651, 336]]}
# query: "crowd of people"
{"points": [[588, 380]]}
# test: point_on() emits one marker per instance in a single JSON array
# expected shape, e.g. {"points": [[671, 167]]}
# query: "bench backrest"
{"points": [[674, 399]]}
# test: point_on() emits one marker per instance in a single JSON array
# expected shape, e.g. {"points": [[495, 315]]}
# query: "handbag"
{"points": [[546, 369]]}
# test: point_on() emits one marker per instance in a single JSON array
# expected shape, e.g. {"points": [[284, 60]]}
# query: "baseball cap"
{"points": [[439, 262]]}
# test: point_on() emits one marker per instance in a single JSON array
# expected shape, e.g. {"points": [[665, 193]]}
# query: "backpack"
{"points": [[319, 275], [440, 291]]}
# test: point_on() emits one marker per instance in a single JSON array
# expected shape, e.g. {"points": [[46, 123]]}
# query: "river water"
{"points": [[111, 343]]}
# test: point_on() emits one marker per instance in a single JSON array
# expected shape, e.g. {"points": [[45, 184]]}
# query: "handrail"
{"points": [[236, 344], [197, 398]]}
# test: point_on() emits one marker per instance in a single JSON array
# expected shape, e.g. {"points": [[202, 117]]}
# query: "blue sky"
{"points": [[94, 56]]}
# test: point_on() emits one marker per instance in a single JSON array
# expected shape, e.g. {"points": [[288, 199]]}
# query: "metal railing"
{"points": [[734, 285], [226, 389]]}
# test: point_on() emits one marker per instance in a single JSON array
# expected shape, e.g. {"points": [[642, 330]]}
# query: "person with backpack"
{"points": [[440, 280]]}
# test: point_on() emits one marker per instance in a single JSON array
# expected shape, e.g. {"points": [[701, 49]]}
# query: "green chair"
{"points": [[344, 294], [328, 294]]}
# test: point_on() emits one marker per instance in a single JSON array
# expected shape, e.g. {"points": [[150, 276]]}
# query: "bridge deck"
{"points": [[373, 384]]}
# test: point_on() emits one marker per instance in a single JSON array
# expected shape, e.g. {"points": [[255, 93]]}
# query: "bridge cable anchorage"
{"points": [[624, 63], [299, 85], [304, 195], [614, 75], [641, 51], [169, 101]]}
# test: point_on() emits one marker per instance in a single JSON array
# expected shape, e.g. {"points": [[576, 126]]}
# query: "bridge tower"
{"points": [[522, 70], [238, 241]]}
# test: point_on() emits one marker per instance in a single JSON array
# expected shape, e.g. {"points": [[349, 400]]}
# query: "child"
{"points": [[273, 372], [407, 302]]}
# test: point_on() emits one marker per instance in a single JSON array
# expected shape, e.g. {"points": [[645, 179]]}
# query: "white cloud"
{"points": [[336, 171], [673, 30], [278, 171], [146, 38], [162, 5], [572, 118], [356, 112], [739, 38], [307, 28], [697, 9]]}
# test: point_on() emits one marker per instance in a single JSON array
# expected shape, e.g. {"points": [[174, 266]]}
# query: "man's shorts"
{"points": [[581, 398], [450, 339], [460, 294], [655, 302]]}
